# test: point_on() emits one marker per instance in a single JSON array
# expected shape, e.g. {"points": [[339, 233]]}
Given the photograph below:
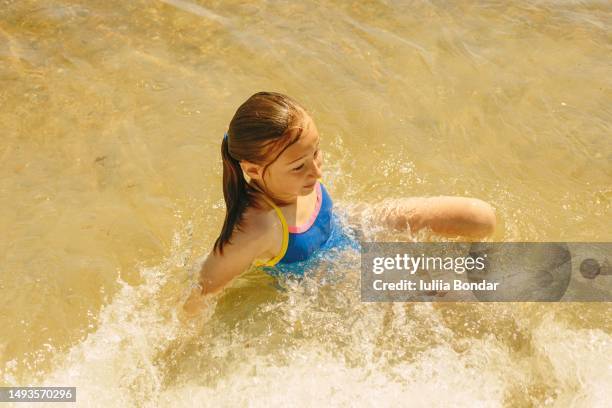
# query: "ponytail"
{"points": [[237, 195]]}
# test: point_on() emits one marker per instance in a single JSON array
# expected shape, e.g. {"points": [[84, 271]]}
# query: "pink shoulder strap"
{"points": [[296, 229]]}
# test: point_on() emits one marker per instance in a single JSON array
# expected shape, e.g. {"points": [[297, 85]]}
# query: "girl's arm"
{"points": [[219, 270], [444, 215]]}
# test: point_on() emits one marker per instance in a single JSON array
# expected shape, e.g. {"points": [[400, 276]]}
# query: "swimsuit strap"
{"points": [[285, 243], [304, 227]]}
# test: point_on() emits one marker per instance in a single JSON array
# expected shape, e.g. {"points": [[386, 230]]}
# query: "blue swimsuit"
{"points": [[300, 243]]}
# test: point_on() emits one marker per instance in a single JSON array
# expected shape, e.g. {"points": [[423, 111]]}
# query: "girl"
{"points": [[279, 212]]}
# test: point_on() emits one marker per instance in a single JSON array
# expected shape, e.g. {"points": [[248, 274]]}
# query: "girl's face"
{"points": [[296, 170]]}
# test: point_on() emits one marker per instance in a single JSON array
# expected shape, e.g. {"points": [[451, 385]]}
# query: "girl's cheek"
{"points": [[295, 176]]}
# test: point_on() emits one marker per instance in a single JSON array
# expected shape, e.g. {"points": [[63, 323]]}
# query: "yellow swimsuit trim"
{"points": [[285, 243]]}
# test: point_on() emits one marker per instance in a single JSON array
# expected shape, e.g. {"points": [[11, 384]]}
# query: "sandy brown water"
{"points": [[111, 117]]}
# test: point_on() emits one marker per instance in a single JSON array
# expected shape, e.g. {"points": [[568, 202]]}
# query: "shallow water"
{"points": [[112, 114]]}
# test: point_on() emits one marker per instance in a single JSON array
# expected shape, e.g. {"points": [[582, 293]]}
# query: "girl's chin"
{"points": [[305, 191]]}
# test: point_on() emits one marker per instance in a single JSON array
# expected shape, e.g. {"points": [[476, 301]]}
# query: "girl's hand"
{"points": [[194, 305]]}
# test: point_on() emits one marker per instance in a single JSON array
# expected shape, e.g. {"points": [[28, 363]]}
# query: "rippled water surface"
{"points": [[111, 117]]}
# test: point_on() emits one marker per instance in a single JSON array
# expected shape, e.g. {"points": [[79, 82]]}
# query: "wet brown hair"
{"points": [[258, 133]]}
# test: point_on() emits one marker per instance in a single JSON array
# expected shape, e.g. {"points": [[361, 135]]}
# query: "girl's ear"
{"points": [[254, 171]]}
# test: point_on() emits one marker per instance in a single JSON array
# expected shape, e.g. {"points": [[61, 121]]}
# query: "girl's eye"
{"points": [[302, 165]]}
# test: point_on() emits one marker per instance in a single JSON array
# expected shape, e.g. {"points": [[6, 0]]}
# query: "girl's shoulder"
{"points": [[263, 224], [259, 220]]}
